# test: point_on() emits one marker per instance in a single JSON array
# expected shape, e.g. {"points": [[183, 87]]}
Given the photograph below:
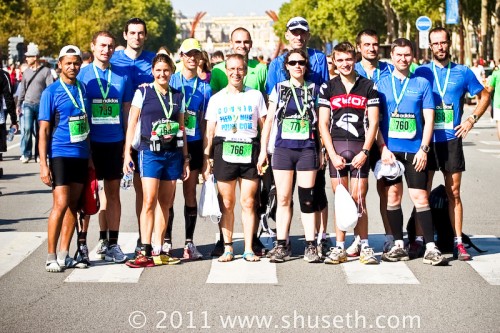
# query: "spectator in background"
{"points": [[217, 57], [87, 58], [478, 70], [204, 68]]}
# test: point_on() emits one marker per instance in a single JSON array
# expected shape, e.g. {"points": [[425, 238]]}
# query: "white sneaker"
{"points": [[166, 248], [24, 159], [191, 252]]}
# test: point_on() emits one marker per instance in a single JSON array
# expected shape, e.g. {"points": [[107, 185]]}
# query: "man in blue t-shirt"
{"points": [[407, 118], [109, 94], [196, 94], [135, 62], [370, 67], [298, 35], [450, 82], [63, 140]]}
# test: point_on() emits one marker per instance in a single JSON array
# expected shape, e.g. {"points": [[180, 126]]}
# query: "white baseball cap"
{"points": [[70, 50], [297, 23]]}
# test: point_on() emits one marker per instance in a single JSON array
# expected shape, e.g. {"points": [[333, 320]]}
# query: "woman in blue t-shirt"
{"points": [[292, 117], [163, 155]]}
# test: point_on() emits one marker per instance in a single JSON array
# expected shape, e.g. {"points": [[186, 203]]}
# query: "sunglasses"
{"points": [[295, 62], [298, 23]]}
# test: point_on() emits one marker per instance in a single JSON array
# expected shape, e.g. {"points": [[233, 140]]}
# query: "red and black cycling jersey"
{"points": [[348, 111]]}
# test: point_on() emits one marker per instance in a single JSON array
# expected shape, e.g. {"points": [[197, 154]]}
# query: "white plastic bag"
{"points": [[209, 204], [346, 211]]}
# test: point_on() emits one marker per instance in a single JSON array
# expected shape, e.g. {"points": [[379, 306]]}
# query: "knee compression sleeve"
{"points": [[306, 198]]}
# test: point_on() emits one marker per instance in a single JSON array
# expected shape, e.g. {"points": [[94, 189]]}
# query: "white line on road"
{"points": [[17, 246], [490, 151], [102, 271], [240, 271], [14, 146], [487, 264], [384, 273], [491, 143]]}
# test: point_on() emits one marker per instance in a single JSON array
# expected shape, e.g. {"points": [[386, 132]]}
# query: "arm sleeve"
{"points": [[428, 99], [49, 79], [474, 87], [21, 91], [271, 76], [262, 106], [273, 97], [45, 111], [128, 93], [138, 99], [211, 113], [373, 99], [324, 96]]}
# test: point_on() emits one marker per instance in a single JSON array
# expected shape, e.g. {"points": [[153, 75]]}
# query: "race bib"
{"points": [[190, 122], [78, 128], [295, 129], [443, 119], [237, 152], [105, 111], [402, 126], [165, 127]]}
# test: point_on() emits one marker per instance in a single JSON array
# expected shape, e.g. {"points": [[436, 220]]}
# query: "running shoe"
{"points": [[434, 257], [53, 267], [115, 254], [191, 252], [388, 245], [102, 247], [416, 250], [460, 253], [355, 248], [257, 247], [395, 254], [140, 261], [24, 159], [165, 259], [218, 249], [311, 254], [367, 256], [68, 262], [82, 255], [280, 253], [337, 256], [167, 247], [324, 248]]}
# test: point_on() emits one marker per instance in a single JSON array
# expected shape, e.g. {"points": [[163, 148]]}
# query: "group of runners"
{"points": [[136, 112]]}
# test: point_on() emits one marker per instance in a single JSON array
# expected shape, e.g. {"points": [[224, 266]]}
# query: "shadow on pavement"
{"points": [[48, 190], [7, 221], [7, 176]]}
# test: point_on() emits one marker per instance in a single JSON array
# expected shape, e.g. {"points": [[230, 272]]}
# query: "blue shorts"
{"points": [[165, 165]]}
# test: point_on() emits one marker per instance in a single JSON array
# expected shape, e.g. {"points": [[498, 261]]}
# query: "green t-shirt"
{"points": [[494, 80], [256, 76]]}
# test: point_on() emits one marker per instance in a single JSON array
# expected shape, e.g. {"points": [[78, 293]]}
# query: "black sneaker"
{"points": [[258, 248], [218, 249], [324, 248], [280, 253]]}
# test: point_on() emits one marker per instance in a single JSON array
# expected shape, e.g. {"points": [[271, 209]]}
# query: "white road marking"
{"points": [[486, 264], [383, 273], [491, 143], [17, 246], [103, 271], [13, 146], [240, 271], [490, 151]]}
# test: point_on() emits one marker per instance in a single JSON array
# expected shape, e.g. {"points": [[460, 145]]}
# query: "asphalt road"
{"points": [[205, 296]]}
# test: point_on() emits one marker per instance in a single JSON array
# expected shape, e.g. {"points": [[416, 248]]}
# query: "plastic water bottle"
{"points": [[10, 135], [155, 142], [127, 180], [180, 138]]}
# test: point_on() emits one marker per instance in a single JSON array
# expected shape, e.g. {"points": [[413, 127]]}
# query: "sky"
{"points": [[225, 7]]}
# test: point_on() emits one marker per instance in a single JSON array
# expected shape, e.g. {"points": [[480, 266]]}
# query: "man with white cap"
{"points": [[64, 129], [196, 93], [35, 79]]}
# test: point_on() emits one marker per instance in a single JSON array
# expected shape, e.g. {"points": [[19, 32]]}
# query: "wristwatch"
{"points": [[366, 151], [474, 117], [187, 158], [425, 148]]}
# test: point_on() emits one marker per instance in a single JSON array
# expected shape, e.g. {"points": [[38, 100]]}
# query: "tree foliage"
{"points": [[53, 24]]}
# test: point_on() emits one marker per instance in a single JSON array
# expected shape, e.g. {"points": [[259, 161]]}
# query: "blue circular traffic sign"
{"points": [[423, 23]]}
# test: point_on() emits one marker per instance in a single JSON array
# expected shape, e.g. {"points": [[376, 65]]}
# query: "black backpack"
{"points": [[438, 201]]}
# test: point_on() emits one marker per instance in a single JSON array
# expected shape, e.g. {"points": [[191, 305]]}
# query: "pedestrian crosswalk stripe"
{"points": [[487, 264], [383, 273], [17, 246], [102, 271], [491, 143], [240, 271]]}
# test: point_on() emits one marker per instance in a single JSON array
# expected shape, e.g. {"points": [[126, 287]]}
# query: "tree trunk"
{"points": [[391, 28], [484, 29], [496, 46]]}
